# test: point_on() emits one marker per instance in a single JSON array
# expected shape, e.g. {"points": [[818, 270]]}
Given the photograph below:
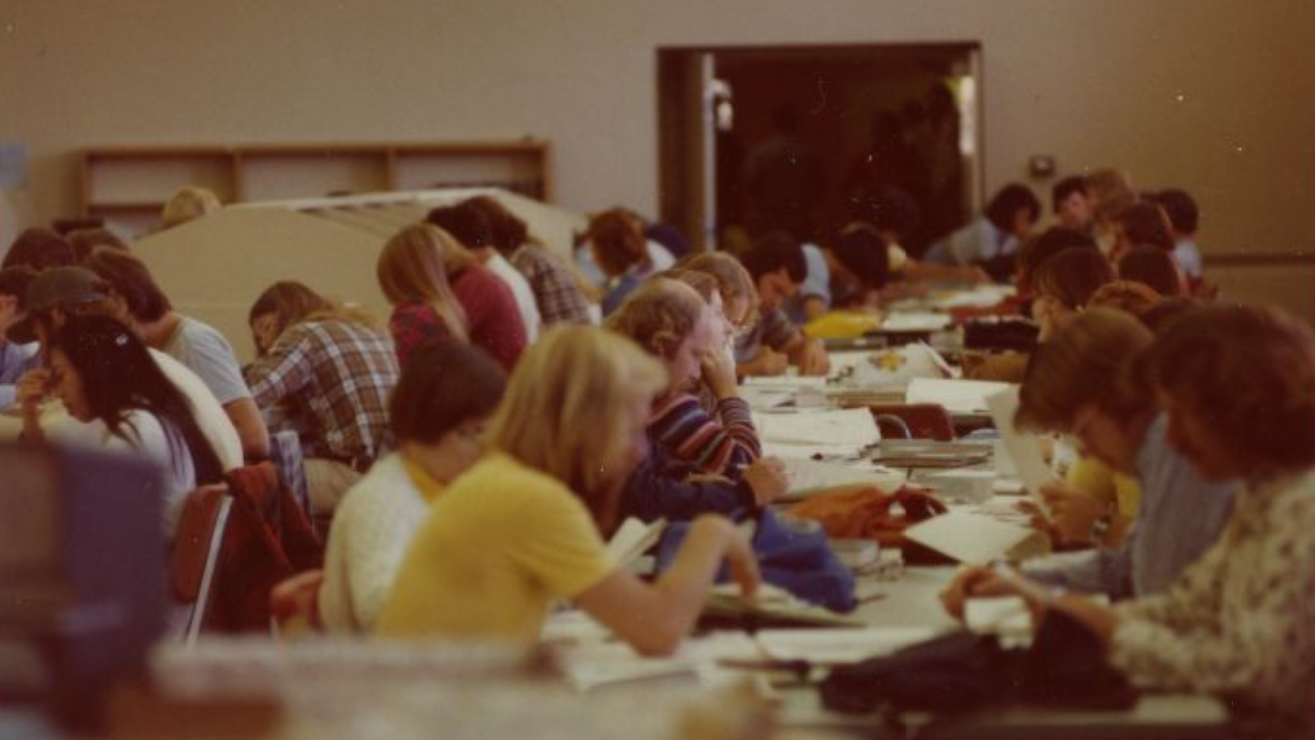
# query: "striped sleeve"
{"points": [[714, 445]]}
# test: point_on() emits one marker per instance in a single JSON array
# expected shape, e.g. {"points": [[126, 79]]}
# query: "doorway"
{"points": [[807, 139]]}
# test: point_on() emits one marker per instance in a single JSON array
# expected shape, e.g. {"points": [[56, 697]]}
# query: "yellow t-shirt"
{"points": [[1094, 477], [501, 543]]}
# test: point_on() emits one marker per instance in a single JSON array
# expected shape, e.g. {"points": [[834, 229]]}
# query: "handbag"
{"points": [[792, 555], [1065, 667]]}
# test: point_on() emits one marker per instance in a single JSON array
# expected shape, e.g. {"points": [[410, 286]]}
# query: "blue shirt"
{"points": [[1180, 516], [1189, 258], [977, 242], [15, 359], [816, 285]]}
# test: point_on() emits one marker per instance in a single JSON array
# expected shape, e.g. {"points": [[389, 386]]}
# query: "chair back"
{"points": [[913, 421], [198, 546]]}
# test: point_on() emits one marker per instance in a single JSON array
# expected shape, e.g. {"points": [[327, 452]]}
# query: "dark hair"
{"points": [[507, 231], [14, 281], [130, 278], [862, 250], [1251, 371], [1073, 276], [1181, 209], [1047, 244], [1166, 312], [119, 375], [618, 238], [773, 251], [1154, 267], [1064, 188], [443, 385], [1009, 200], [887, 208], [83, 241], [39, 249], [467, 223], [1144, 223]]}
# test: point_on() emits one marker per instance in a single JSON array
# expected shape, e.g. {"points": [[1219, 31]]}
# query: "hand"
{"points": [[980, 581], [766, 362], [768, 479], [742, 563], [33, 388], [813, 360], [719, 373], [1072, 511]]}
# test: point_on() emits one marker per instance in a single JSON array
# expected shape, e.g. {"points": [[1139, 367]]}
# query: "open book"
{"points": [[977, 539]]}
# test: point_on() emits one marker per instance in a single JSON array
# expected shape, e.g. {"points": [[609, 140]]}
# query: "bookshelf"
{"points": [[129, 184]]}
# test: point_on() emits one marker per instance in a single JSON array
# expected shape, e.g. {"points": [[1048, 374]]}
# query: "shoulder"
{"points": [[386, 483]]}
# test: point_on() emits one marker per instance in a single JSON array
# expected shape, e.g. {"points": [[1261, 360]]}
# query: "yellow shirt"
{"points": [[1094, 477], [501, 543]]}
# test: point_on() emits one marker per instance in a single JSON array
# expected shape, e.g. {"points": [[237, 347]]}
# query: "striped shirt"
{"points": [[336, 375], [715, 444]]}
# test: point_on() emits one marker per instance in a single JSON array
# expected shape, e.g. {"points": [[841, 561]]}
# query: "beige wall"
{"points": [[1093, 83]]}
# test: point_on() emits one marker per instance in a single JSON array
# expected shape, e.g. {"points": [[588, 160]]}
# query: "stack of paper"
{"points": [[854, 428], [808, 477], [976, 539], [957, 396]]}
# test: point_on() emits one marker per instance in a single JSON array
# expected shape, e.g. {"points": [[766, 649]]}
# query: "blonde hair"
{"points": [[565, 411], [414, 266], [291, 303], [187, 204], [702, 283], [733, 280], [1089, 362], [659, 315]]}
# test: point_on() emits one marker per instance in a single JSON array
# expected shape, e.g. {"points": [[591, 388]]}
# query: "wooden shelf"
{"points": [[134, 181]]}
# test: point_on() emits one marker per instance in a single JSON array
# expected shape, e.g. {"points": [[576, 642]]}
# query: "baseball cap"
{"points": [[52, 287]]}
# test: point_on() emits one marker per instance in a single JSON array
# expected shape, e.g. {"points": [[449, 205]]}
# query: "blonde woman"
{"points": [[525, 525], [438, 288], [188, 204], [412, 270]]}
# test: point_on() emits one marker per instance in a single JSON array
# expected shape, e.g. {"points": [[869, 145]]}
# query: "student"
{"points": [[994, 236], [194, 343], [1238, 386], [1041, 248], [16, 357], [471, 226], [437, 414], [1141, 223], [1184, 219], [107, 379], [1063, 285], [673, 323], [85, 241], [557, 290], [734, 284], [59, 293], [617, 243], [332, 367], [421, 269], [1071, 204], [39, 249], [188, 204], [587, 263], [1152, 267], [413, 276], [525, 525], [776, 264]]}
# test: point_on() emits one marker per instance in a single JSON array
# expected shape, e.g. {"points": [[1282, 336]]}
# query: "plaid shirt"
{"points": [[555, 288], [338, 374]]}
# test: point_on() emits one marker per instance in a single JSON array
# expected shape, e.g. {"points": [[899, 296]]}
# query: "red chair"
{"points": [[913, 421], [198, 546]]}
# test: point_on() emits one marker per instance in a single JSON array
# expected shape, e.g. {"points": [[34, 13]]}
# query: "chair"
{"points": [[913, 421], [198, 546]]}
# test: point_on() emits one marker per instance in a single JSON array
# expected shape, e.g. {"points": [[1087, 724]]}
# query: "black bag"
{"points": [[1065, 668]]}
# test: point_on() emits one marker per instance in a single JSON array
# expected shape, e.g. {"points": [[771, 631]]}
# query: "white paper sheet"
{"points": [[807, 476], [632, 538], [957, 396], [976, 539], [1024, 449], [916, 322], [837, 646], [828, 427]]}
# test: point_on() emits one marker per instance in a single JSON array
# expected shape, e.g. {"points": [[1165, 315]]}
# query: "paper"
{"points": [[975, 539], [887, 367], [809, 476], [632, 539], [802, 451], [839, 646], [914, 322], [957, 396], [1024, 449], [830, 427], [593, 665]]}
